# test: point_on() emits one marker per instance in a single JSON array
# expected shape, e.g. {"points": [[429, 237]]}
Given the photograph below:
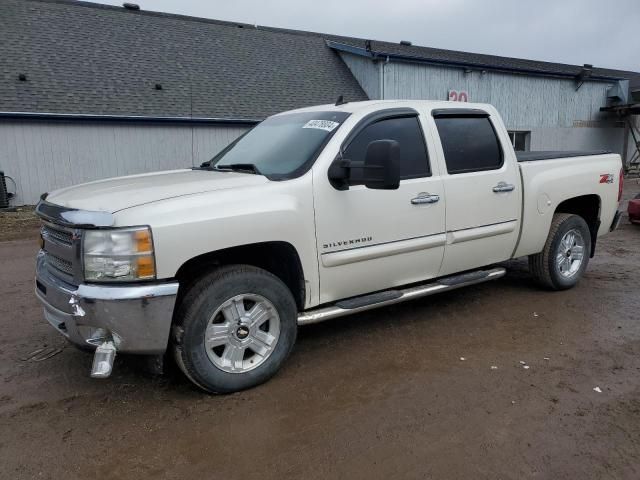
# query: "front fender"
{"points": [[193, 225]]}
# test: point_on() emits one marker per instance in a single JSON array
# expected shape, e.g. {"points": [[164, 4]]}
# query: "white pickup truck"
{"points": [[313, 214]]}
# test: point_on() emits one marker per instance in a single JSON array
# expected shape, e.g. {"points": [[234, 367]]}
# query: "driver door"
{"points": [[370, 240]]}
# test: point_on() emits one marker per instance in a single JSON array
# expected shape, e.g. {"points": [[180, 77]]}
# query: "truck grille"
{"points": [[60, 248], [62, 236], [60, 264]]}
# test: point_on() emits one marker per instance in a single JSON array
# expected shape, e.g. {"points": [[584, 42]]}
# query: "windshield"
{"points": [[282, 146]]}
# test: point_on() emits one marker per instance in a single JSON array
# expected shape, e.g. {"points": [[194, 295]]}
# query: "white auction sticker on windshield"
{"points": [[327, 125]]}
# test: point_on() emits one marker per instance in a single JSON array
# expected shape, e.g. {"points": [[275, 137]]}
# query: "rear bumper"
{"points": [[136, 317]]}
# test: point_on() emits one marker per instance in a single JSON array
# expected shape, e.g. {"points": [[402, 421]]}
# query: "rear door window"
{"points": [[470, 144]]}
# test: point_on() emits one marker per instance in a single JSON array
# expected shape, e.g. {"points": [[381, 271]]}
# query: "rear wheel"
{"points": [[234, 329], [566, 253]]}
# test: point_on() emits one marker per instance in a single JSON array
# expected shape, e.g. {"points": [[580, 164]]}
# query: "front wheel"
{"points": [[234, 329], [566, 253]]}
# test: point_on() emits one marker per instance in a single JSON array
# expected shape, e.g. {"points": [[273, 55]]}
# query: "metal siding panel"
{"points": [[524, 102], [44, 156], [366, 73], [546, 106], [207, 142], [9, 154], [580, 138]]}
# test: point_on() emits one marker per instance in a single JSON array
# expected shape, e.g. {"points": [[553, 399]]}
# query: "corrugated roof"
{"points": [[95, 59]]}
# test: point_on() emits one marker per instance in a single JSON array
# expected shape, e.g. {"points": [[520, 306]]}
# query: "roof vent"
{"points": [[406, 43], [22, 77], [131, 6], [158, 86]]}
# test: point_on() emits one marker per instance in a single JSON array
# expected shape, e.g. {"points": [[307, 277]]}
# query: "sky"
{"points": [[604, 33]]}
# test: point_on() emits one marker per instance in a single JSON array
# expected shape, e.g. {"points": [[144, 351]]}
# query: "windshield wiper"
{"points": [[238, 167]]}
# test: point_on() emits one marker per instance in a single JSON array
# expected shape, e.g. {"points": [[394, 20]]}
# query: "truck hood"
{"points": [[114, 194]]}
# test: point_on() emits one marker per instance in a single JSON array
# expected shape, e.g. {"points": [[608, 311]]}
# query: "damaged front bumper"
{"points": [[133, 318]]}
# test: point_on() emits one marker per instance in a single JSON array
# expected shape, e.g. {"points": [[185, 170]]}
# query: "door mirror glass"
{"points": [[380, 169]]}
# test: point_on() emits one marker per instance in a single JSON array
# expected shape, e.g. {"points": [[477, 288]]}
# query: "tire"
{"points": [[241, 297], [547, 268]]}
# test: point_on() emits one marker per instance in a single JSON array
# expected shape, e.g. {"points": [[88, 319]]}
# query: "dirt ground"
{"points": [[384, 394], [18, 224]]}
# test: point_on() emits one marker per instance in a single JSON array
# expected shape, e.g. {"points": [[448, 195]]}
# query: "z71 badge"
{"points": [[606, 178]]}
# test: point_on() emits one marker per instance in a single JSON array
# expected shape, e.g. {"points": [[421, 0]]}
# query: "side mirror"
{"points": [[380, 169], [382, 165]]}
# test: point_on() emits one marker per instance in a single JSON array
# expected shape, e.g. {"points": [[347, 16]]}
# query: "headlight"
{"points": [[123, 254]]}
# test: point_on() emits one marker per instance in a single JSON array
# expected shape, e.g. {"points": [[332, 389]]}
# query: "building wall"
{"points": [[557, 115], [45, 155], [577, 138], [366, 72]]}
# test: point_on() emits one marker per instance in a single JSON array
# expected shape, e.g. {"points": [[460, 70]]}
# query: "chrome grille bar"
{"points": [[60, 264], [61, 248], [62, 236]]}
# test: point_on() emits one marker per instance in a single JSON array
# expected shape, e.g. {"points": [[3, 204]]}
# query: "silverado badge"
{"points": [[348, 243]]}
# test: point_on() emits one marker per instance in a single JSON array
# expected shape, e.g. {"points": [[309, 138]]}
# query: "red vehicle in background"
{"points": [[634, 210]]}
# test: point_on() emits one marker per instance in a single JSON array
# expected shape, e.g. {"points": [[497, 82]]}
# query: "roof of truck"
{"points": [[353, 107]]}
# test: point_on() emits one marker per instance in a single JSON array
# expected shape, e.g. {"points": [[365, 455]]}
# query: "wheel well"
{"points": [[279, 258], [587, 207]]}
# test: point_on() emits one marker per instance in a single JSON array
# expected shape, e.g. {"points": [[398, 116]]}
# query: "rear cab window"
{"points": [[469, 141]]}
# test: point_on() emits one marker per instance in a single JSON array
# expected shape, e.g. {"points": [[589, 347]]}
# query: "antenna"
{"points": [[340, 100]]}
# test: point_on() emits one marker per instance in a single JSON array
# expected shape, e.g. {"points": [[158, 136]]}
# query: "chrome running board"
{"points": [[360, 304]]}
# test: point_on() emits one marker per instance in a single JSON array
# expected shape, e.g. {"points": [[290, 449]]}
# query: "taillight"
{"points": [[620, 184]]}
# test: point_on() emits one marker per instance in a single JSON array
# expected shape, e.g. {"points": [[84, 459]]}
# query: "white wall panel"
{"points": [[43, 156], [366, 73], [578, 138], [550, 108], [525, 102]]}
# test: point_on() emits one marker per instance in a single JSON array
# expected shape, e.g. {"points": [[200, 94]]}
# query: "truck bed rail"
{"points": [[550, 155]]}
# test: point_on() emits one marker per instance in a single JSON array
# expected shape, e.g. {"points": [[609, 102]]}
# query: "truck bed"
{"points": [[564, 175], [548, 155]]}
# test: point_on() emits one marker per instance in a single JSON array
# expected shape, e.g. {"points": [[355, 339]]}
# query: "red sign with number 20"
{"points": [[456, 96]]}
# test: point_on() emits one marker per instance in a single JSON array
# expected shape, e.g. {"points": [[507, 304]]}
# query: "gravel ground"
{"points": [[383, 394], [19, 224]]}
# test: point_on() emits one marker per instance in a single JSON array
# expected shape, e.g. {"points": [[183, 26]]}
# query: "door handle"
{"points": [[503, 187], [425, 198]]}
